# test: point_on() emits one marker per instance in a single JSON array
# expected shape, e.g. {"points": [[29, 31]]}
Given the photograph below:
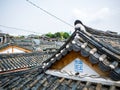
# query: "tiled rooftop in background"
{"points": [[13, 62]]}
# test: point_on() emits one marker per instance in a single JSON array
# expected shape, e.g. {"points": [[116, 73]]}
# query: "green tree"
{"points": [[21, 37], [66, 35], [50, 35], [57, 35], [61, 35]]}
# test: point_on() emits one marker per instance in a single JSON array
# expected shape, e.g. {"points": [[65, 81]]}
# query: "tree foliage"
{"points": [[66, 35], [61, 35], [50, 35]]}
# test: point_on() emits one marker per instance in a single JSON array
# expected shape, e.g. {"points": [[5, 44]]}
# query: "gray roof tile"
{"points": [[40, 80], [18, 61]]}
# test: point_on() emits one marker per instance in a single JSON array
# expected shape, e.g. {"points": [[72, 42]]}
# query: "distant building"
{"points": [[9, 45], [9, 48], [4, 38]]}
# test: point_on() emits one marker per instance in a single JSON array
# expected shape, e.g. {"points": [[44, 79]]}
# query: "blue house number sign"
{"points": [[78, 65]]}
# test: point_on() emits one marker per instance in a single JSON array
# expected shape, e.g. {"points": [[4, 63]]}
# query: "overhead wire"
{"points": [[43, 11], [49, 13], [19, 29]]}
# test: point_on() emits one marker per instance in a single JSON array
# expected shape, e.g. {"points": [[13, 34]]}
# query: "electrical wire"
{"points": [[19, 29], [31, 31], [49, 13]]}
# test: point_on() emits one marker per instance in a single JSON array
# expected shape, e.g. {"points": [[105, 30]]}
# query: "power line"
{"points": [[43, 11], [19, 29], [50, 13]]}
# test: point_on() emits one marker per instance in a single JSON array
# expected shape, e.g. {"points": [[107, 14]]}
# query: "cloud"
{"points": [[92, 15]]}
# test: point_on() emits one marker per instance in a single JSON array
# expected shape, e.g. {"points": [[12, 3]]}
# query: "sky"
{"points": [[98, 14]]}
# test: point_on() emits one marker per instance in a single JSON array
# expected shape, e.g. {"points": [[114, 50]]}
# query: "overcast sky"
{"points": [[98, 14]]}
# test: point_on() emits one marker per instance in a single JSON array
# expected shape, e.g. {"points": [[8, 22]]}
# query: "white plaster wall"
{"points": [[85, 69]]}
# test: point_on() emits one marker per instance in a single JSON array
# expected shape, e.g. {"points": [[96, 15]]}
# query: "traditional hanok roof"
{"points": [[81, 44], [13, 47], [107, 38], [37, 79], [45, 44], [96, 51], [22, 61], [25, 43]]}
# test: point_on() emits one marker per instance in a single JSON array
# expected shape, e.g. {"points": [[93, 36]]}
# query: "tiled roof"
{"points": [[81, 41], [110, 39], [11, 62], [5, 45], [50, 44], [25, 43], [110, 42], [36, 79]]}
